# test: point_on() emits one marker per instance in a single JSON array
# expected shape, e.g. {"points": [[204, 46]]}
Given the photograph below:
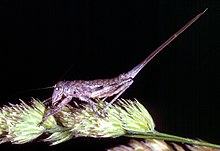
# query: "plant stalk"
{"points": [[168, 137]]}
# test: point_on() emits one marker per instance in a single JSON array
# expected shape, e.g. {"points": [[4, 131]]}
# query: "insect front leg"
{"points": [[56, 109], [47, 101]]}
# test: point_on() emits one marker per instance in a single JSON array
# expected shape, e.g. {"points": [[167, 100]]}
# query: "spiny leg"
{"points": [[56, 109]]}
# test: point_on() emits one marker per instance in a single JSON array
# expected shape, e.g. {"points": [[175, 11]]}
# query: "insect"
{"points": [[87, 91]]}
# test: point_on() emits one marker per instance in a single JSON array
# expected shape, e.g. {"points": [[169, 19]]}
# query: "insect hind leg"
{"points": [[124, 88]]}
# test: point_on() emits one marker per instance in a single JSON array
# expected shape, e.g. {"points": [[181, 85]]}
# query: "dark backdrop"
{"points": [[41, 41]]}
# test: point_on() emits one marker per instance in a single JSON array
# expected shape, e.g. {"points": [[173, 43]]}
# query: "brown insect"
{"points": [[65, 91]]}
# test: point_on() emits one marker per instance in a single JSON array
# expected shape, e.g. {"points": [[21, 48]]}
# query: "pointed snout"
{"points": [[56, 98]]}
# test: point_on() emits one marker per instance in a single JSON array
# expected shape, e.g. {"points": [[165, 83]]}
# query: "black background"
{"points": [[41, 41]]}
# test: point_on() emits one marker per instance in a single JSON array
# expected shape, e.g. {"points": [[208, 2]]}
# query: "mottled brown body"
{"points": [[95, 89], [65, 91]]}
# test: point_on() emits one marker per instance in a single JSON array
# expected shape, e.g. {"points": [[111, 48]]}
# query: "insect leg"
{"points": [[104, 99], [91, 104], [125, 87], [47, 101], [56, 109]]}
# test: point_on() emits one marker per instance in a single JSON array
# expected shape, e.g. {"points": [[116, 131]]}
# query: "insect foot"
{"points": [[45, 118], [95, 110], [101, 115]]}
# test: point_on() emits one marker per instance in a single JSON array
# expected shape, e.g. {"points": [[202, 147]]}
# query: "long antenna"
{"points": [[137, 68], [36, 89]]}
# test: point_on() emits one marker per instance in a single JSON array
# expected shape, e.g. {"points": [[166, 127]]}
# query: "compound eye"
{"points": [[57, 88], [66, 89]]}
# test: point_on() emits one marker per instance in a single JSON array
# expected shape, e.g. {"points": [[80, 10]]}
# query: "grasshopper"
{"points": [[88, 90]]}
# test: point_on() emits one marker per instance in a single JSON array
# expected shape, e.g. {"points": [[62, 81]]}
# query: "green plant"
{"points": [[19, 123]]}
